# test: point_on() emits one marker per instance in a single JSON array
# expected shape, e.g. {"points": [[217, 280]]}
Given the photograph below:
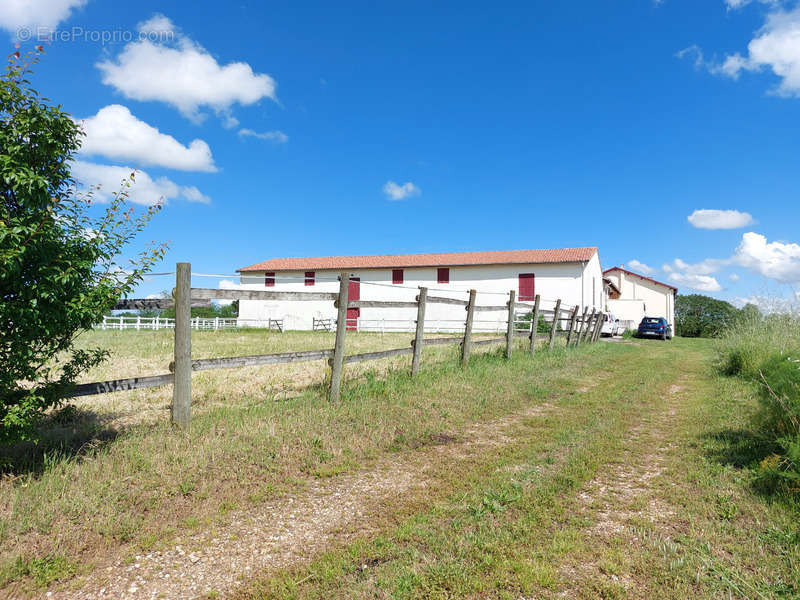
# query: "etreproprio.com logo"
{"points": [[92, 36]]}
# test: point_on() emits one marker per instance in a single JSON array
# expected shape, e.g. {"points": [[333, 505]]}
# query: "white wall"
{"points": [[572, 282], [640, 297]]}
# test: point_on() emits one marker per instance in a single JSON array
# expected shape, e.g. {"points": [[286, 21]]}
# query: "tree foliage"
{"points": [[697, 315], [61, 267]]}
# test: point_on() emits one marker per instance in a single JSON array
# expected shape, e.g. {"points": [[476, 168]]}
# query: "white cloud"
{"points": [[635, 265], [192, 194], [703, 283], [145, 190], [720, 219], [116, 134], [768, 304], [273, 136], [776, 46], [695, 276], [734, 277], [704, 267], [399, 192], [692, 51], [35, 15], [776, 260], [178, 71], [737, 4]]}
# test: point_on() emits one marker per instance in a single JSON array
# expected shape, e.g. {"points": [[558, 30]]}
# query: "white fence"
{"points": [[157, 323], [120, 323]]}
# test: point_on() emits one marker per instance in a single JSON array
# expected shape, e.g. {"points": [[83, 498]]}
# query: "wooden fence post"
{"points": [[510, 331], [582, 327], [420, 336], [466, 345], [587, 327], [535, 323], [182, 384], [601, 317], [556, 314], [341, 330], [572, 325]]}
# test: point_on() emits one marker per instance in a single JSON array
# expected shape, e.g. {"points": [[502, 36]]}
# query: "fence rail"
{"points": [[581, 327]]}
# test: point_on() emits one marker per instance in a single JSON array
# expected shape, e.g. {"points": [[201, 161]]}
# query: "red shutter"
{"points": [[353, 293], [443, 275], [309, 277], [269, 279], [397, 276], [527, 287]]}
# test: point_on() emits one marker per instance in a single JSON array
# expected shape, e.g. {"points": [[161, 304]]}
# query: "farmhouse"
{"points": [[571, 274], [632, 296]]}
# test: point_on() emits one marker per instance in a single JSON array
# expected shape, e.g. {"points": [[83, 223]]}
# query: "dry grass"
{"points": [[136, 354], [94, 487]]}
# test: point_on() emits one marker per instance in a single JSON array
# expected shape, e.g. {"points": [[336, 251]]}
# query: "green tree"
{"points": [[60, 266], [697, 315]]}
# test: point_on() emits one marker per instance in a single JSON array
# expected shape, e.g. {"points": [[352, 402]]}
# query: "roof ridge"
{"points": [[427, 259]]}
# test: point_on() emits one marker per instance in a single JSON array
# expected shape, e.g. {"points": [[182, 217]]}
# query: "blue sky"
{"points": [[305, 129]]}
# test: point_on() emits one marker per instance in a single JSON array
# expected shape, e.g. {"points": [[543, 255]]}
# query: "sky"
{"points": [[662, 132]]}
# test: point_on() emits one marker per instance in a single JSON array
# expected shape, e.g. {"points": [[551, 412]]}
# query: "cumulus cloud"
{"points": [[704, 267], [145, 190], [272, 136], [395, 191], [176, 70], [776, 260], [695, 276], [114, 132], [719, 219], [776, 47], [35, 15], [702, 283], [635, 265], [734, 277]]}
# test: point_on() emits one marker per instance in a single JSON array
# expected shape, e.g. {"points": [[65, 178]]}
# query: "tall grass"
{"points": [[749, 341], [766, 351]]}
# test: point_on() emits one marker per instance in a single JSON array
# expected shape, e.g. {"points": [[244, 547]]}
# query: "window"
{"points": [[309, 277], [269, 279], [527, 287], [397, 276], [443, 275]]}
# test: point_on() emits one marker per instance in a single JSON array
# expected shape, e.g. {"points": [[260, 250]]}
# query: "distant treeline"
{"points": [[697, 315]]}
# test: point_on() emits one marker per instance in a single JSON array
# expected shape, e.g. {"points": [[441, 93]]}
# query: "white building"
{"points": [[572, 274], [631, 297]]}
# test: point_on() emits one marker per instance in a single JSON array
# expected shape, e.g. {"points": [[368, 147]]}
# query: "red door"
{"points": [[353, 293], [527, 287]]}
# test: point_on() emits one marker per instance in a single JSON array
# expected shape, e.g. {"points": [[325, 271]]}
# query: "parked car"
{"points": [[655, 327], [611, 326]]}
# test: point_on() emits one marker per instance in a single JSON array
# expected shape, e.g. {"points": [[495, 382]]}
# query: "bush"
{"points": [[780, 421], [764, 350], [62, 261]]}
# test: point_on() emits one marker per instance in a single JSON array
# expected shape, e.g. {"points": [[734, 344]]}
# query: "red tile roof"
{"points": [[449, 259], [672, 287]]}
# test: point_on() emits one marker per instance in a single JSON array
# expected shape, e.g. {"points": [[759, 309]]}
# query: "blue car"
{"points": [[655, 327]]}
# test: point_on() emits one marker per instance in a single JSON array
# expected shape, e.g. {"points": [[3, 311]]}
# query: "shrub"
{"points": [[62, 266], [764, 350]]}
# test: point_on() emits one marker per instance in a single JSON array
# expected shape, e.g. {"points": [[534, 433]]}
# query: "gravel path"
{"points": [[294, 529]]}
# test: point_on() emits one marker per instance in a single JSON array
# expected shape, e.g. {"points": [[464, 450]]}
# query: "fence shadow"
{"points": [[67, 434]]}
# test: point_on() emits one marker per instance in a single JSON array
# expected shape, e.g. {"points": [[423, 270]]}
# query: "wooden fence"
{"points": [[582, 327]]}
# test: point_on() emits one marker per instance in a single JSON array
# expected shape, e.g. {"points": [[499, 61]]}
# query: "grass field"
{"points": [[608, 471]]}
